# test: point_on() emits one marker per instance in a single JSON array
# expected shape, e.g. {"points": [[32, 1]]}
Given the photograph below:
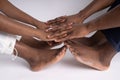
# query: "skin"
{"points": [[76, 30], [93, 7], [89, 51], [37, 53], [40, 56], [108, 20], [92, 51], [37, 43], [11, 22], [67, 25], [65, 21]]}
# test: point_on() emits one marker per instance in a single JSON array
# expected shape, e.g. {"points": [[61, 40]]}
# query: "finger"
{"points": [[51, 28], [57, 20], [49, 43], [57, 23], [69, 42], [61, 19], [57, 35], [71, 23], [52, 43], [65, 27], [62, 39], [58, 28], [51, 21]]}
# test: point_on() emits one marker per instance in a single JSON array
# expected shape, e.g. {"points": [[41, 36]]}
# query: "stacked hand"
{"points": [[66, 27], [41, 26]]}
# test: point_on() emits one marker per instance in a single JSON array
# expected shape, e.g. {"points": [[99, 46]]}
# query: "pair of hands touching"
{"points": [[64, 28]]}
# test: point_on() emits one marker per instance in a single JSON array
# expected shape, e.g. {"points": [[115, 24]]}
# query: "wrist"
{"points": [[37, 33], [82, 15], [82, 30], [35, 23], [39, 24], [91, 26]]}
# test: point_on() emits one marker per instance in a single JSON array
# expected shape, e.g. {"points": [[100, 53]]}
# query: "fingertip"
{"points": [[65, 35], [57, 40], [60, 40], [47, 23], [48, 37], [69, 27], [49, 43], [71, 23], [47, 30], [63, 20]]}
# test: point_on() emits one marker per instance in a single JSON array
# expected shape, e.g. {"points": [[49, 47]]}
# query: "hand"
{"points": [[57, 21], [77, 18], [40, 31], [67, 32], [42, 35], [41, 25]]}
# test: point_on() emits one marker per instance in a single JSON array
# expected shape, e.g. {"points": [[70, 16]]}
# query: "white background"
{"points": [[68, 68]]}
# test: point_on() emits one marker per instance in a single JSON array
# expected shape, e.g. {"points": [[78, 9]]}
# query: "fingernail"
{"points": [[48, 36], [63, 20], [46, 30], [70, 23], [65, 35], [50, 28], [56, 40], [69, 27]]}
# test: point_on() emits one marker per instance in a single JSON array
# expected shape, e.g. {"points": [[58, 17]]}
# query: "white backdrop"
{"points": [[68, 67]]}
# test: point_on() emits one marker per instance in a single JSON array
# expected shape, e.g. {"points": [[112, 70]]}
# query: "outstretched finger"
{"points": [[57, 35], [58, 20], [51, 21], [52, 28], [58, 28], [63, 38], [61, 19]]}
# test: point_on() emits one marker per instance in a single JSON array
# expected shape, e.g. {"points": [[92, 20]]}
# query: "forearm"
{"points": [[15, 13], [109, 20], [93, 7], [11, 26]]}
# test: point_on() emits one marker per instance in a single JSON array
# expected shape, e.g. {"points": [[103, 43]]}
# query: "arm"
{"points": [[11, 11], [93, 7], [11, 26], [14, 27], [109, 20]]}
